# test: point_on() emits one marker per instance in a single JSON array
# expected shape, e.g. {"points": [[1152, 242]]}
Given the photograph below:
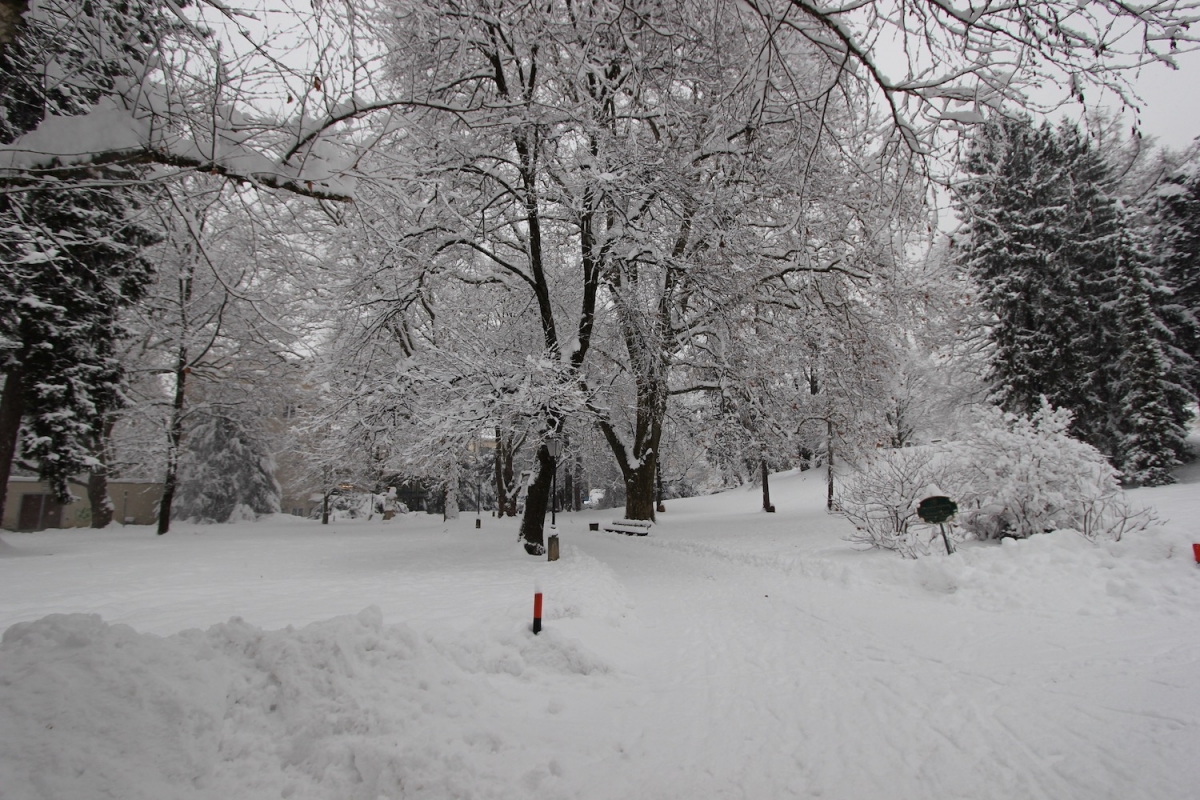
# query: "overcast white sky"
{"points": [[1171, 111]]}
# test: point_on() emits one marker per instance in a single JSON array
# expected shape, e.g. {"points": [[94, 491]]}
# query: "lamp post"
{"points": [[554, 448]]}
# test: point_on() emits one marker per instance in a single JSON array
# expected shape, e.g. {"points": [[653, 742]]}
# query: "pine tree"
{"points": [[71, 256], [1078, 311], [1155, 398], [225, 471], [71, 259], [1176, 215], [1019, 230]]}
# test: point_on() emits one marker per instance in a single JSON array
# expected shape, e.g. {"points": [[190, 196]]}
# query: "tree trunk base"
{"points": [[535, 548]]}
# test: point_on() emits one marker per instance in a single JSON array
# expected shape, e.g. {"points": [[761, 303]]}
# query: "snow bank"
{"points": [[731, 653], [347, 708], [1063, 571]]}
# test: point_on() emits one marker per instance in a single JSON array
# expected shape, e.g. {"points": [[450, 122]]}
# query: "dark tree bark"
{"points": [[577, 498], [11, 12], [537, 504], [12, 408], [97, 492], [829, 465], [501, 486], [766, 487], [639, 490], [658, 488], [97, 487], [174, 440], [568, 491], [506, 493]]}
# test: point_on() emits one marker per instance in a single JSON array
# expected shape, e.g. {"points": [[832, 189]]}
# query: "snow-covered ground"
{"points": [[730, 654]]}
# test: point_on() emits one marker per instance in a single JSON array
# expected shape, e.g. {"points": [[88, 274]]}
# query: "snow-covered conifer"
{"points": [[71, 255], [1176, 216], [1155, 401], [226, 470], [1077, 311]]}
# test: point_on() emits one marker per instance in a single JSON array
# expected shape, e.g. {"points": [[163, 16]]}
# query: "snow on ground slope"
{"points": [[730, 654]]}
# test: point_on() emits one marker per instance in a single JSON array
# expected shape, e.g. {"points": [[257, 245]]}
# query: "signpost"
{"points": [[555, 448], [938, 510]]}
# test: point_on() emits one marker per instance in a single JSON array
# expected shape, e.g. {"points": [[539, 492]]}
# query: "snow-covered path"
{"points": [[731, 654], [760, 685]]}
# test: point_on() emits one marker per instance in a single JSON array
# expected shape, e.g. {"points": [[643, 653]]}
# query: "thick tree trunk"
{"points": [[11, 12], [577, 497], [97, 492], [651, 390], [12, 407], [650, 364], [568, 491], [829, 466], [450, 506], [97, 488], [174, 439], [639, 490], [766, 487], [537, 504], [507, 494], [501, 486], [658, 489]]}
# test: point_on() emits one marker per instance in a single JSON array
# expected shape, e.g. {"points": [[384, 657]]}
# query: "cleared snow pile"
{"points": [[1012, 476], [1049, 575], [347, 708]]}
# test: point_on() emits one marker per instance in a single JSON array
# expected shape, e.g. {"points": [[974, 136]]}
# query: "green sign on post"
{"points": [[936, 510]]}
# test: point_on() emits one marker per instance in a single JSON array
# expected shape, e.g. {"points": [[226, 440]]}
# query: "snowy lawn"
{"points": [[730, 654]]}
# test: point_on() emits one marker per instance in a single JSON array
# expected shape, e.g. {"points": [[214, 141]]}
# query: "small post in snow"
{"points": [[537, 610]]}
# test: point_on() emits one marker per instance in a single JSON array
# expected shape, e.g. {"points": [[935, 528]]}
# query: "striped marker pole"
{"points": [[537, 612]]}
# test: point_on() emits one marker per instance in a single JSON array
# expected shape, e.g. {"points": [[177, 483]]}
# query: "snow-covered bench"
{"points": [[629, 527]]}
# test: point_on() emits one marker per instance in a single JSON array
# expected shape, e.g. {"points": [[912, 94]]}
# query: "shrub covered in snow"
{"points": [[1011, 475], [881, 498], [1025, 475]]}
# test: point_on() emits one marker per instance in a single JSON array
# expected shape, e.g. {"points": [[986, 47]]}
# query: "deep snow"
{"points": [[730, 654]]}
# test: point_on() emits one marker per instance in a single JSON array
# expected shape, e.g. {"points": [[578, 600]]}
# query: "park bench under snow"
{"points": [[629, 527]]}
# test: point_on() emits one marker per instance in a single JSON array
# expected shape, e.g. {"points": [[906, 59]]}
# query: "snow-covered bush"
{"points": [[1012, 476], [1025, 475], [882, 496]]}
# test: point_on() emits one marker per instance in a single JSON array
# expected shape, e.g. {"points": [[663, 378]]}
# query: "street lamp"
{"points": [[554, 448]]}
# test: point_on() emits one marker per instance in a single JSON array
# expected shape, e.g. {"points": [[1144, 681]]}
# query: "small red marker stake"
{"points": [[1196, 552], [537, 612]]}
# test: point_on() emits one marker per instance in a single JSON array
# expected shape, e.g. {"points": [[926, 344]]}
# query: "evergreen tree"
{"points": [[71, 259], [70, 256], [1176, 214], [226, 471], [1078, 310], [1155, 395]]}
